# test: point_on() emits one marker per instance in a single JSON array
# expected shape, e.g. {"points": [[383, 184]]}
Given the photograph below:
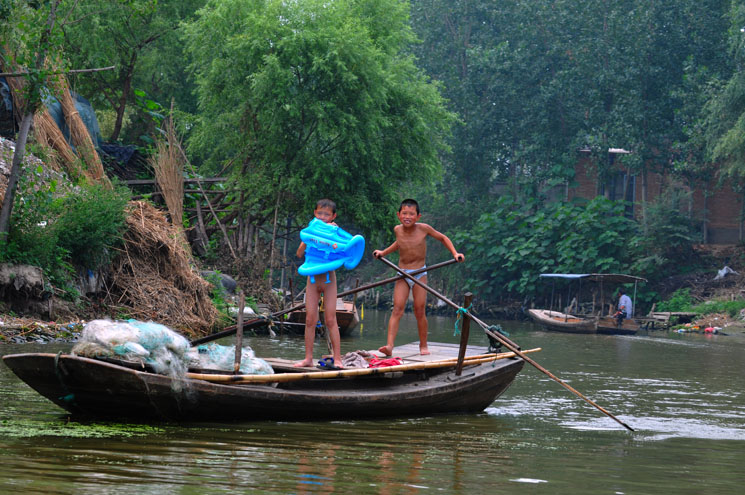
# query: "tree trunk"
{"points": [[28, 118], [15, 174], [123, 99], [645, 191], [274, 233], [704, 223]]}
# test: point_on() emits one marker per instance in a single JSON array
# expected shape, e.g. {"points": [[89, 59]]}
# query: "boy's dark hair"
{"points": [[326, 203], [409, 202]]}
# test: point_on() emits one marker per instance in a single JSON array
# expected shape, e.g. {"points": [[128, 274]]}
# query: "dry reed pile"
{"points": [[152, 277], [79, 134], [168, 165], [50, 138]]}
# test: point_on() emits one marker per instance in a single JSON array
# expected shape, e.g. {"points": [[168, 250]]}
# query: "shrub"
{"points": [[681, 300], [56, 231], [90, 222]]}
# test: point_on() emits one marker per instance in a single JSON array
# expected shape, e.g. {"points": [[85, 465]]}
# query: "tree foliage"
{"points": [[512, 245], [312, 99], [140, 38]]}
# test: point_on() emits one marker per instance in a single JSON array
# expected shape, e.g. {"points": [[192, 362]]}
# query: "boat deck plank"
{"points": [[409, 353]]}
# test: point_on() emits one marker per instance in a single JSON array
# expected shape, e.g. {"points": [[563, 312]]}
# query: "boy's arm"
{"points": [[445, 240], [300, 250], [385, 252]]}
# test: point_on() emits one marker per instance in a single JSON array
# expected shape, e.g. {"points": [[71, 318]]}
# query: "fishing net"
{"points": [[160, 348], [220, 357]]}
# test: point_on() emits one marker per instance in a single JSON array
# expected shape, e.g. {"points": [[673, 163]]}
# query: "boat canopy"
{"points": [[597, 277]]}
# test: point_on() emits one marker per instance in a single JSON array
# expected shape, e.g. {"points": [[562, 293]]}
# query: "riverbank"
{"points": [[15, 330]]}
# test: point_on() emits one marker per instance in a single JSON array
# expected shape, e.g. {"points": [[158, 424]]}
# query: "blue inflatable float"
{"points": [[328, 247]]}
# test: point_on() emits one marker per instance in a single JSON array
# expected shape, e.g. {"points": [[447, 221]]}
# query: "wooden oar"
{"points": [[315, 375], [504, 340], [257, 322]]}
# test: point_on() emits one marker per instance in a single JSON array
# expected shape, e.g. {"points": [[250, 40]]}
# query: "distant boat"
{"points": [[562, 322], [589, 323], [347, 317]]}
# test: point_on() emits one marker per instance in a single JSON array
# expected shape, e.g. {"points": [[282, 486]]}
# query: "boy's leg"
{"points": [[311, 318], [400, 295], [329, 317], [420, 311]]}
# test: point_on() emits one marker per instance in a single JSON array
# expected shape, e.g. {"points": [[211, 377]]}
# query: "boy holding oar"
{"points": [[411, 245]]}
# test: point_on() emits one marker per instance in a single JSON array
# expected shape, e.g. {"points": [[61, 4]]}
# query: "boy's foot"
{"points": [[388, 351], [424, 351], [303, 364]]}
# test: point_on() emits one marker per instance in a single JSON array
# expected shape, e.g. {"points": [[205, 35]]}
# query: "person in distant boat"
{"points": [[411, 245], [625, 307], [325, 211]]}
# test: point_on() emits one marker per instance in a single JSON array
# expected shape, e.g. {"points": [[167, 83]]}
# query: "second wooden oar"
{"points": [[505, 341], [347, 373], [257, 322]]}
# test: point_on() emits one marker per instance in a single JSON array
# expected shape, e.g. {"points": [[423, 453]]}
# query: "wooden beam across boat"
{"points": [[354, 372]]}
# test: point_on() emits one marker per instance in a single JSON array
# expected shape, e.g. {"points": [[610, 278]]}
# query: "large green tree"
{"points": [[315, 98]]}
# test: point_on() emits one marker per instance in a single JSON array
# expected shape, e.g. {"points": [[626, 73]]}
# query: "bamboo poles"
{"points": [[349, 373]]}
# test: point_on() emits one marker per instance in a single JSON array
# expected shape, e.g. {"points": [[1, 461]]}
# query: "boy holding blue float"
{"points": [[411, 245], [326, 212]]}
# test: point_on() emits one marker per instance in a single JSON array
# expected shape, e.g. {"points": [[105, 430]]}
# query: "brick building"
{"points": [[719, 209]]}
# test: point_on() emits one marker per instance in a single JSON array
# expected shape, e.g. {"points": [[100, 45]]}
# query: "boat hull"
{"points": [[609, 325], [93, 388], [347, 319], [562, 322]]}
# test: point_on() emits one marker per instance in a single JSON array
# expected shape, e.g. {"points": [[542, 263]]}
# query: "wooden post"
{"points": [[239, 335], [465, 328]]}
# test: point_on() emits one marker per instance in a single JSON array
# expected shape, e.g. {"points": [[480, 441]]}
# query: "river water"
{"points": [[683, 394]]}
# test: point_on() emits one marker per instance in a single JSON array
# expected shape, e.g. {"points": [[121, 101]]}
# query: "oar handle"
{"points": [[265, 320]]}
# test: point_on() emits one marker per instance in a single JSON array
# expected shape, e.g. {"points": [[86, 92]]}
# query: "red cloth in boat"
{"points": [[384, 362]]}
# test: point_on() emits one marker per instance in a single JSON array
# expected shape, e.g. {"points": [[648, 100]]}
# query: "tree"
{"points": [[315, 98], [724, 113], [141, 38], [38, 37]]}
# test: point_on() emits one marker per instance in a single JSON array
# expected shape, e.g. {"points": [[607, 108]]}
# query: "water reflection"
{"points": [[681, 393]]}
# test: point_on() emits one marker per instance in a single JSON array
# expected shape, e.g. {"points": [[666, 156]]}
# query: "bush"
{"points": [[55, 232], [732, 308], [510, 247], [90, 222], [681, 300]]}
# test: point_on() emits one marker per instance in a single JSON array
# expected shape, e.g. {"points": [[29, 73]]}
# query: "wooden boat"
{"points": [[347, 317], [590, 323], [609, 325], [562, 322], [422, 386]]}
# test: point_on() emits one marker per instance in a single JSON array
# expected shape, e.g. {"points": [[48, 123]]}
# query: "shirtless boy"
{"points": [[325, 211], [411, 245]]}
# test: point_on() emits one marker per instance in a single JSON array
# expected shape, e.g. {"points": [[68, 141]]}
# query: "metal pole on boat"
{"points": [[466, 327], [239, 335], [504, 340]]}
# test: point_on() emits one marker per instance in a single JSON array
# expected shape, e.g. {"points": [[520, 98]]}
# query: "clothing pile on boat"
{"points": [[366, 359], [161, 348]]}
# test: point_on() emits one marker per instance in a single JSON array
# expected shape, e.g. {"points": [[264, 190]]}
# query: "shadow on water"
{"points": [[681, 393]]}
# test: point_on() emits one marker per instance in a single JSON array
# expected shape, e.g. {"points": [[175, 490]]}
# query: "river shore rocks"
{"points": [[14, 330]]}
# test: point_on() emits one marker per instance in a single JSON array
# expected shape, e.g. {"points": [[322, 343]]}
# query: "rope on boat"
{"points": [[69, 397], [459, 314]]}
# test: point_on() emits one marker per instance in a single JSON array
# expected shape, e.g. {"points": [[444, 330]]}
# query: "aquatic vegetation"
{"points": [[29, 428]]}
